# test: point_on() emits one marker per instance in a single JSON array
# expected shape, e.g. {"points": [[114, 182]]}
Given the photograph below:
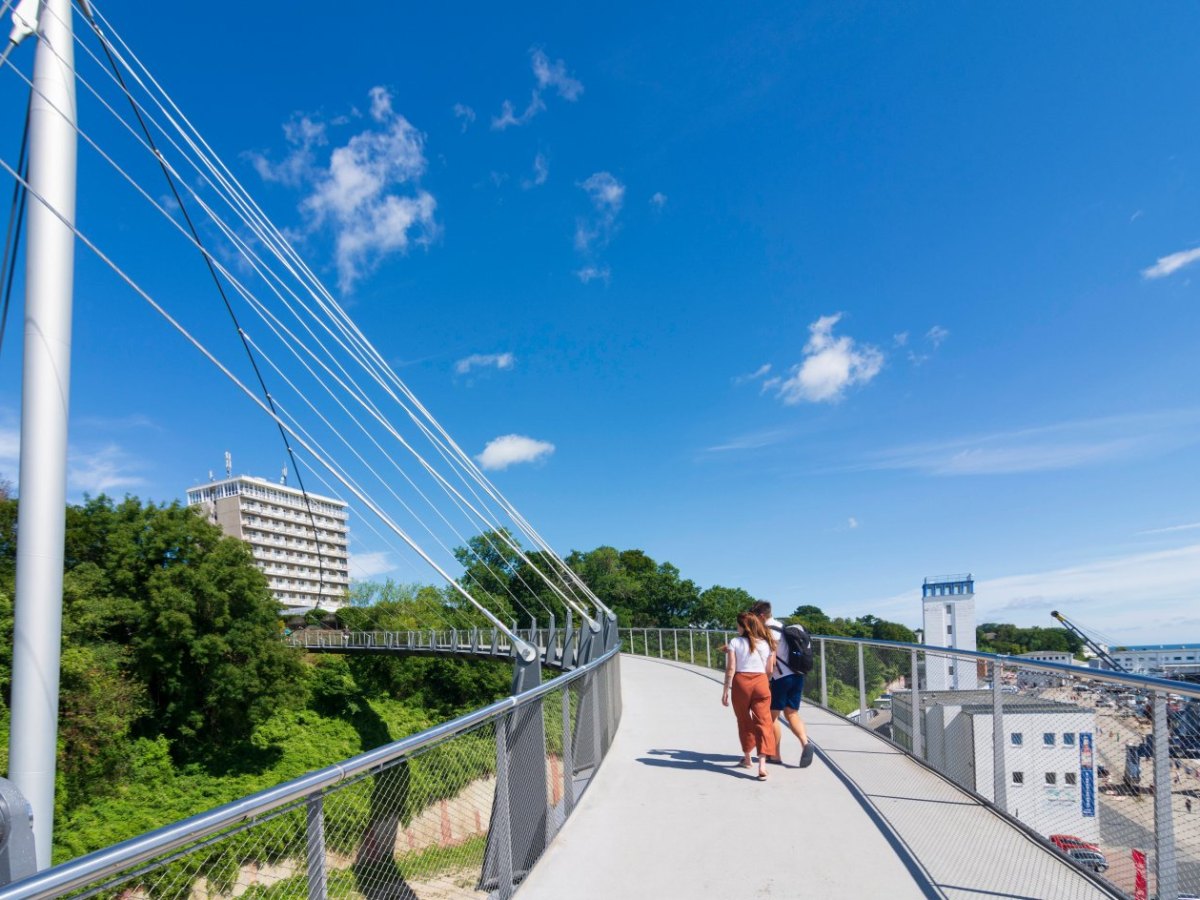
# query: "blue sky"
{"points": [[814, 300]]}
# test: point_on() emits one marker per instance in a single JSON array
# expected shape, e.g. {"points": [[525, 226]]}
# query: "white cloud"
{"points": [[1095, 593], [303, 135], [1168, 265], [1066, 445], [541, 171], [830, 366], [658, 200], [900, 338], [591, 273], [936, 335], [511, 449], [547, 75], [852, 523], [367, 565], [10, 452], [464, 112], [760, 372], [483, 360], [607, 195], [356, 195], [555, 75]]}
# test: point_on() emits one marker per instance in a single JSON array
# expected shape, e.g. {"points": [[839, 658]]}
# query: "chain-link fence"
{"points": [[461, 810], [1102, 766]]}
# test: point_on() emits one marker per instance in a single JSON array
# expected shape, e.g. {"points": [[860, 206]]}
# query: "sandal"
{"points": [[762, 776]]}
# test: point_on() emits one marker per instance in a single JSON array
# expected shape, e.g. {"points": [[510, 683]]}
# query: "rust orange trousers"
{"points": [[751, 701]]}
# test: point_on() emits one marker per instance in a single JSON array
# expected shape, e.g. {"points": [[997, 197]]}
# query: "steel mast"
{"points": [[45, 397]]}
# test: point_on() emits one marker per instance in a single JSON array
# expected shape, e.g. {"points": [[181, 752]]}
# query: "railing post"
{"points": [[824, 679], [660, 644], [1165, 868], [707, 650], [999, 776], [862, 688], [675, 636], [500, 832], [315, 839], [691, 646], [568, 755], [918, 721]]}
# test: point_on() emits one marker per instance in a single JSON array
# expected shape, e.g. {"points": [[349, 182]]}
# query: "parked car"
{"points": [[1083, 852]]}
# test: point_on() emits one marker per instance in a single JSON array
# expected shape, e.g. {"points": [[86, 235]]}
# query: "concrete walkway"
{"points": [[669, 815]]}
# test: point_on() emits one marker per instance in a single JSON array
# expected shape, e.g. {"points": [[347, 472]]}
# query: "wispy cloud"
{"points": [[546, 75], [900, 338], [1168, 265], [465, 115], [368, 194], [591, 273], [936, 335], [831, 365], [658, 200], [852, 523], [761, 372], [1170, 529], [93, 470], [752, 441], [607, 195], [512, 449], [1066, 445], [1097, 593], [364, 566], [484, 360], [541, 171], [103, 470]]}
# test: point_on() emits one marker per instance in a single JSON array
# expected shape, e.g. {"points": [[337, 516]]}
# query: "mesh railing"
{"points": [[1104, 767], [461, 810]]}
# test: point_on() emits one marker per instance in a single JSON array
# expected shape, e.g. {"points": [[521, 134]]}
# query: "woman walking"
{"points": [[748, 659]]}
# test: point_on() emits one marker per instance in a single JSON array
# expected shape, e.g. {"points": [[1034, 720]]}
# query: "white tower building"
{"points": [[948, 603], [303, 567]]}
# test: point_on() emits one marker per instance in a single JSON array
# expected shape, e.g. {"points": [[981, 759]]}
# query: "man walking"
{"points": [[787, 689]]}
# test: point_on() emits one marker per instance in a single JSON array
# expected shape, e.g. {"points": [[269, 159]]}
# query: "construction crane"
{"points": [[1099, 649]]}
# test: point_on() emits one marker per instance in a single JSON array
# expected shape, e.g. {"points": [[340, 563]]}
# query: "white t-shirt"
{"points": [[781, 650], [747, 660]]}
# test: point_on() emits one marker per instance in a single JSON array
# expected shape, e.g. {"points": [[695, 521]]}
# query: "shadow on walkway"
{"points": [[724, 763]]}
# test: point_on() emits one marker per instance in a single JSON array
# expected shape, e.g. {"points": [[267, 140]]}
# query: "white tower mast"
{"points": [[49, 274]]}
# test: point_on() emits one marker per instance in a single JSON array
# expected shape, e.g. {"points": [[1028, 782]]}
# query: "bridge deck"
{"points": [[674, 817]]}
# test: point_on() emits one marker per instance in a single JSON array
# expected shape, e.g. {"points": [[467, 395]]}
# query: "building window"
{"points": [[1070, 777], [1017, 738], [949, 629], [1051, 778], [1018, 777], [950, 670], [1068, 739], [1048, 738], [949, 609]]}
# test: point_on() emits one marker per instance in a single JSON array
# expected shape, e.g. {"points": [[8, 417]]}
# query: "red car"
{"points": [[1082, 852]]}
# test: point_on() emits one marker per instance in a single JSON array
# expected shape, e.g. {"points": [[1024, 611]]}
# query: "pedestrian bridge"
{"points": [[617, 777]]}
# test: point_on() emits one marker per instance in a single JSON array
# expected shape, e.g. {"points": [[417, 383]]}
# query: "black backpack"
{"points": [[799, 646]]}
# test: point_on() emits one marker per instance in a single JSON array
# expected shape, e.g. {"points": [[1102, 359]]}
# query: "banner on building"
{"points": [[1139, 875], [1087, 774]]}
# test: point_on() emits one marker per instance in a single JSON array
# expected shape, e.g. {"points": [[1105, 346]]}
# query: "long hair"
{"points": [[754, 630]]}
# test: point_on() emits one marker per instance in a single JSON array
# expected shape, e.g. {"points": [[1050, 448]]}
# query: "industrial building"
{"points": [[1049, 773], [948, 620]]}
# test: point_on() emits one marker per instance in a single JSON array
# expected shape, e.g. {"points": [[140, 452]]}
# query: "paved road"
{"points": [[670, 816]]}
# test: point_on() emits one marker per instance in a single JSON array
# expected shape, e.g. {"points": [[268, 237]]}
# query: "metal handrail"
{"points": [[1142, 682], [87, 869]]}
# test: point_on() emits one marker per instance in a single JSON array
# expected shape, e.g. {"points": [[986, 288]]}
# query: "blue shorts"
{"points": [[787, 692]]}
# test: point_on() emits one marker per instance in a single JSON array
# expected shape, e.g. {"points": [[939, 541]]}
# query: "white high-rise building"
{"points": [[303, 568], [948, 603]]}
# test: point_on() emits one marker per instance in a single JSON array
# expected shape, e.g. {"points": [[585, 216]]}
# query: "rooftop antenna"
{"points": [[228, 464], [283, 476]]}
